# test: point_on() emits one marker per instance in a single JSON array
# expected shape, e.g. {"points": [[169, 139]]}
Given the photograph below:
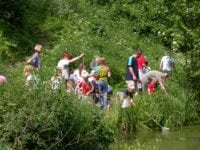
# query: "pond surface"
{"points": [[187, 138]]}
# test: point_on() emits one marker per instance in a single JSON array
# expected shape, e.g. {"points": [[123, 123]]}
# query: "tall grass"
{"points": [[43, 119]]}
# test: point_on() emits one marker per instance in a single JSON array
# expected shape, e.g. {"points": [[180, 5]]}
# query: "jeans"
{"points": [[103, 90]]}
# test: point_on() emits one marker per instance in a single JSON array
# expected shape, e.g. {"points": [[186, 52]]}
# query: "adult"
{"points": [[132, 75], [104, 73], [35, 60], [141, 63], [63, 64], [155, 75], [167, 63]]}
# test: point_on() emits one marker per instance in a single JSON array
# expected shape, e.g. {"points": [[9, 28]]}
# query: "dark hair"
{"points": [[138, 51]]}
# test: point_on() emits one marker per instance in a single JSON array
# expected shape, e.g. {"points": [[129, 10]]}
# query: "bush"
{"points": [[43, 119]]}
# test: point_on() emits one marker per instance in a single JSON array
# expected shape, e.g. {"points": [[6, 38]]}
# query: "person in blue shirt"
{"points": [[132, 75]]}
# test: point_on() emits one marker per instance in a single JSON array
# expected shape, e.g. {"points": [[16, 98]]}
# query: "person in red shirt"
{"points": [[151, 86], [86, 87], [141, 63]]}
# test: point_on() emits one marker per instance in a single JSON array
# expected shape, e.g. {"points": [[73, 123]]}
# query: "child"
{"points": [[126, 96], [35, 59], [31, 79], [56, 80], [86, 87], [95, 94], [151, 86]]}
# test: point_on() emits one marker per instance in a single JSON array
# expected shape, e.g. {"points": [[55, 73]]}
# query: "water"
{"points": [[187, 138]]}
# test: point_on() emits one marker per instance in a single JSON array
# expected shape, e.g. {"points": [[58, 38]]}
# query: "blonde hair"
{"points": [[100, 60], [38, 48], [28, 69]]}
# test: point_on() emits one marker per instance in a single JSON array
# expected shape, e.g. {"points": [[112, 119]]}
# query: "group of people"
{"points": [[139, 76], [91, 85], [94, 84]]}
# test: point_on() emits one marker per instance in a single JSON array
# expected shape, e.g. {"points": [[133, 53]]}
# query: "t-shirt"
{"points": [[102, 73], [132, 62], [149, 75], [127, 93], [55, 82], [141, 61], [77, 77], [151, 88], [63, 65], [86, 87], [167, 63], [31, 80], [35, 61]]}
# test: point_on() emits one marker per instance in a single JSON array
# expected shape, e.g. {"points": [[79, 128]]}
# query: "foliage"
{"points": [[43, 119], [108, 28]]}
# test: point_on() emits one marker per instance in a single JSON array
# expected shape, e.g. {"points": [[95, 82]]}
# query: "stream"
{"points": [[187, 138]]}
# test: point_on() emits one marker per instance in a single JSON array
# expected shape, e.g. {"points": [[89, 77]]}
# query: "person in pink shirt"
{"points": [[2, 79]]}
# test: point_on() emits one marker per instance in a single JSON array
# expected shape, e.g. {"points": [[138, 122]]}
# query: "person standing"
{"points": [[78, 76], [141, 63], [35, 60], [167, 63], [104, 73], [63, 65], [132, 75]]}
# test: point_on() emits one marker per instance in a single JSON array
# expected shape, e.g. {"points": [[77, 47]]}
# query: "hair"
{"points": [[67, 55], [81, 67], [100, 60], [28, 69], [168, 51], [38, 48], [138, 51]]}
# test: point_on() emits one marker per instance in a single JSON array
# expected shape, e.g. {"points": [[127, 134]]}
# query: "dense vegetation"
{"points": [[109, 28]]}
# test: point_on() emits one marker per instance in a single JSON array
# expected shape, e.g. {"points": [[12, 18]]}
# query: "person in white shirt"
{"points": [[63, 64], [78, 76], [167, 63]]}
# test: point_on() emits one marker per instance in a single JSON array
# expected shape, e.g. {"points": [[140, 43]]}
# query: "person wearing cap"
{"points": [[132, 75], [167, 63], [155, 75], [35, 60]]}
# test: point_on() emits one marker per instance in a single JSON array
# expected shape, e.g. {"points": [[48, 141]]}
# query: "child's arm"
{"points": [[91, 90]]}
